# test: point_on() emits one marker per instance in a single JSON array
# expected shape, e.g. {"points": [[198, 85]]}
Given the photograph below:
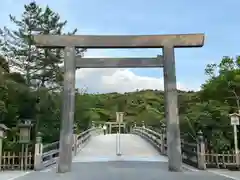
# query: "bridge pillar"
{"points": [[201, 151], [38, 153], [171, 110], [110, 128], [75, 136], [163, 136], [93, 124], [68, 108]]}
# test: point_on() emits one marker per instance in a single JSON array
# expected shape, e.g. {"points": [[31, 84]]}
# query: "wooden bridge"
{"points": [[143, 156]]}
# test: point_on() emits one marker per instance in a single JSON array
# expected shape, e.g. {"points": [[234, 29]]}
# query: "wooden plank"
{"points": [[119, 62], [120, 41]]}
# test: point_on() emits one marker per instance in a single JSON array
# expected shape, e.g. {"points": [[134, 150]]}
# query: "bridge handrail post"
{"points": [[75, 143], [38, 153], [163, 136], [201, 151]]}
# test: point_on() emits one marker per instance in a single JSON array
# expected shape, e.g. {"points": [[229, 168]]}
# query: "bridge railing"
{"points": [[195, 154], [47, 155], [192, 153]]}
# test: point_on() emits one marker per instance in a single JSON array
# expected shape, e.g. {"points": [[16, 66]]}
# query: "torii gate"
{"points": [[167, 61]]}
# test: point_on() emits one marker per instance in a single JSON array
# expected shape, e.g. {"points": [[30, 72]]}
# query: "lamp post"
{"points": [[235, 122], [3, 130], [24, 139]]}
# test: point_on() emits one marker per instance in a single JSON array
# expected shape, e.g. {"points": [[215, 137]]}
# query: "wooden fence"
{"points": [[226, 160], [23, 157], [16, 161]]}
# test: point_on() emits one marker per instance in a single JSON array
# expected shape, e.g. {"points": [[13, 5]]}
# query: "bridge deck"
{"points": [[139, 161], [133, 148]]}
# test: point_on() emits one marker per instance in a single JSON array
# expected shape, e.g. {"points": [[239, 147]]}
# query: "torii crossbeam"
{"points": [[119, 62]]}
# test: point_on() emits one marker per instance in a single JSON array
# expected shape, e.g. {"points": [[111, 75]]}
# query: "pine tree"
{"points": [[40, 67]]}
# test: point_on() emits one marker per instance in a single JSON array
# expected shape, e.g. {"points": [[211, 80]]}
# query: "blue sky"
{"points": [[219, 20]]}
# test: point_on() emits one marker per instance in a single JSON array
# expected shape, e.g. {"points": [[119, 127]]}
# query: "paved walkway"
{"points": [[235, 175], [133, 148], [139, 161], [12, 175]]}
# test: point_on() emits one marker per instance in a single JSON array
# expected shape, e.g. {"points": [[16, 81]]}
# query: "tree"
{"points": [[35, 71], [224, 84], [41, 68]]}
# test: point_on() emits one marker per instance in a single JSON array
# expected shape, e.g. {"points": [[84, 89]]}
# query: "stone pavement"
{"points": [[12, 175], [122, 170], [235, 175]]}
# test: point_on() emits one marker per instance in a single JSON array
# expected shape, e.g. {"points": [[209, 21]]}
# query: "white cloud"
{"points": [[118, 80]]}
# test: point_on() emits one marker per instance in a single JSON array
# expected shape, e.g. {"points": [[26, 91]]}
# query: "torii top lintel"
{"points": [[120, 41]]}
